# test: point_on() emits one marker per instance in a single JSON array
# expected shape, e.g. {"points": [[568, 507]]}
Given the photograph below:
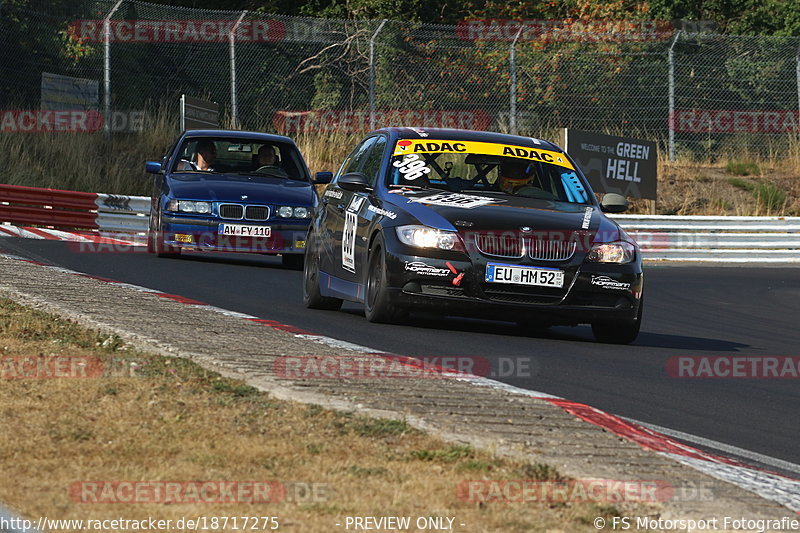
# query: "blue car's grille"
{"points": [[231, 211], [256, 212]]}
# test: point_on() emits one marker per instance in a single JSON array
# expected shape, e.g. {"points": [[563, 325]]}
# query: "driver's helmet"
{"points": [[513, 175]]}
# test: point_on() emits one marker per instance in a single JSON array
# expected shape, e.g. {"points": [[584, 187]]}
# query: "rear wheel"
{"points": [[378, 305], [292, 261], [311, 295], [619, 332]]}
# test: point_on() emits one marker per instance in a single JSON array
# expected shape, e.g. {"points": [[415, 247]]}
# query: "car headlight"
{"points": [[189, 206], [301, 212], [425, 237], [287, 211], [619, 252]]}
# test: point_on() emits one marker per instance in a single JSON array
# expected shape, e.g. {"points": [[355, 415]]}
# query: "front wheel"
{"points": [[619, 332], [378, 305], [311, 295], [155, 240]]}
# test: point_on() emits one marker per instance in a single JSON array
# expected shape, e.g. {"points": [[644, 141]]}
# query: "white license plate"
{"points": [[522, 275], [243, 230]]}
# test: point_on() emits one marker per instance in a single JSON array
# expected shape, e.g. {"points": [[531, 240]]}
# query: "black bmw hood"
{"points": [[501, 212]]}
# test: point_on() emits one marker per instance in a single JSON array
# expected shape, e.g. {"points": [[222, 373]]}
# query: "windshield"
{"points": [[240, 156], [486, 167]]}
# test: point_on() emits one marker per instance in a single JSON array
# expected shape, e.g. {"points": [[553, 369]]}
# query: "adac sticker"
{"points": [[425, 146]]}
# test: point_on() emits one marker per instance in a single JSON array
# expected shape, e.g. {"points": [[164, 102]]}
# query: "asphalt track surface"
{"points": [[690, 311]]}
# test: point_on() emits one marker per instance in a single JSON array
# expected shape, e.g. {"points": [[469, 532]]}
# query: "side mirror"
{"points": [[153, 167], [614, 203], [353, 181], [322, 178]]}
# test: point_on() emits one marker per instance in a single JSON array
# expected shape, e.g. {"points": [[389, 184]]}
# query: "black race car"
{"points": [[472, 223]]}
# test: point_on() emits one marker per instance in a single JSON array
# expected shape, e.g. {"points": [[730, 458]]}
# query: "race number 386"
{"points": [[412, 167]]}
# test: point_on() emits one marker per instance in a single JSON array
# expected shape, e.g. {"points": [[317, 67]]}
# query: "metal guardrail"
{"points": [[736, 239], [95, 212], [661, 237]]}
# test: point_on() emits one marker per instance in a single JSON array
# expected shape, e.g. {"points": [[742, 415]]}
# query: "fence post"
{"points": [[232, 53], [107, 68], [512, 92], [797, 66], [671, 119], [372, 75]]}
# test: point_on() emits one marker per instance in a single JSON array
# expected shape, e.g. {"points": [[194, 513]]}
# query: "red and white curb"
{"points": [[49, 234], [772, 486]]}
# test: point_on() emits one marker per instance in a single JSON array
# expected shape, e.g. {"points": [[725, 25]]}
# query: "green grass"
{"points": [[450, 454], [769, 197], [743, 168], [741, 184]]}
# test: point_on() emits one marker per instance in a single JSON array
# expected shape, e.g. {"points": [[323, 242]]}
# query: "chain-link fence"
{"points": [[696, 94]]}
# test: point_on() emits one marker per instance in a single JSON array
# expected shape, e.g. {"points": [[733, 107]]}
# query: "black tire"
{"points": [[311, 295], [292, 261], [378, 306], [155, 240], [619, 332]]}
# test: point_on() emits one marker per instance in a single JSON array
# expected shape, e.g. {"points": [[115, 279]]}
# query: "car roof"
{"points": [[469, 135], [238, 134]]}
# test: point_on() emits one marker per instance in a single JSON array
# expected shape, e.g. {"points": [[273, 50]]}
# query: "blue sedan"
{"points": [[232, 191]]}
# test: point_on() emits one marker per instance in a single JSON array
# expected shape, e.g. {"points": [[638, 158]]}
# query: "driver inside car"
{"points": [[519, 179], [268, 161], [206, 155], [266, 158]]}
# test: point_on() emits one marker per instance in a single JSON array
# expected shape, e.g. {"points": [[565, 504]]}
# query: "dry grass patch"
{"points": [[727, 188], [176, 421]]}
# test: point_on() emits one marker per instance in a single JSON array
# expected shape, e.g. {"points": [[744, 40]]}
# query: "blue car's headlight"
{"points": [[619, 252], [190, 206], [287, 211]]}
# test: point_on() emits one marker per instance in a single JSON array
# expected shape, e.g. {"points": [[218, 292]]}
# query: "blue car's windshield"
{"points": [[487, 167], [240, 156]]}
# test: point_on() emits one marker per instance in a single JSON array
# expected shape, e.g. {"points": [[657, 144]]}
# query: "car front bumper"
{"points": [[592, 292], [285, 237]]}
